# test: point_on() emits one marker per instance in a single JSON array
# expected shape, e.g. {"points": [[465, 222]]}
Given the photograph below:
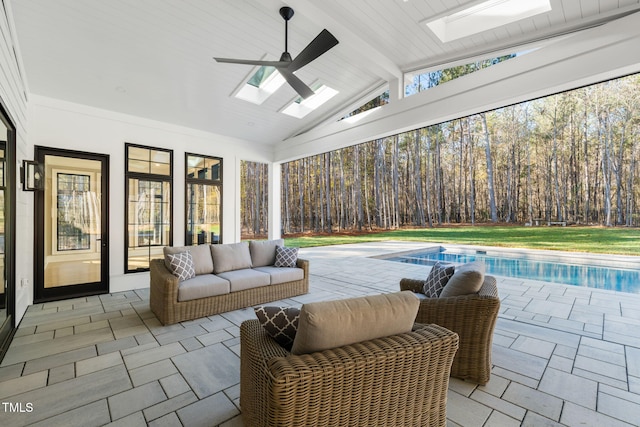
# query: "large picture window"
{"points": [[148, 205], [203, 199]]}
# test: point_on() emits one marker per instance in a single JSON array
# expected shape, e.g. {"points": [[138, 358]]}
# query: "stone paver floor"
{"points": [[562, 355]]}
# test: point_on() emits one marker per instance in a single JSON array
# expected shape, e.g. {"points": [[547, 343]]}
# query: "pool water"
{"points": [[592, 276]]}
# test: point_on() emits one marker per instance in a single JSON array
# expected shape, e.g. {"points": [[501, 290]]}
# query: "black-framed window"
{"points": [[148, 206], [73, 212], [203, 202]]}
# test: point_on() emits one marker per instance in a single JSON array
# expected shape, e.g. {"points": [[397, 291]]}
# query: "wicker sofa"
{"points": [[235, 276], [395, 380], [473, 317]]}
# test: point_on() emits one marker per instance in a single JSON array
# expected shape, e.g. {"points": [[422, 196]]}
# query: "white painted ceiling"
{"points": [[153, 58]]}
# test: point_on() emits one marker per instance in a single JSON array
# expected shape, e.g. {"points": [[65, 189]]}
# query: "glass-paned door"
{"points": [[72, 245], [7, 230]]}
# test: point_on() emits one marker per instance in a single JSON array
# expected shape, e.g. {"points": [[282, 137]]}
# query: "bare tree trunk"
{"points": [[342, 221], [439, 189], [529, 185], [285, 191], [487, 148], [358, 188], [366, 192], [606, 164], [378, 172], [573, 170], [327, 175], [427, 180], [555, 160], [417, 172], [472, 183], [630, 180], [301, 189], [256, 196], [617, 170], [396, 202], [587, 190]]}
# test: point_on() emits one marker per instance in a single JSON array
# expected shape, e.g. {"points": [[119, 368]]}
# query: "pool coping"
{"points": [[580, 258]]}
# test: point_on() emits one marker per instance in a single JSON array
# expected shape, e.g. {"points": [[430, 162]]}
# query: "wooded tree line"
{"points": [[254, 201], [568, 157]]}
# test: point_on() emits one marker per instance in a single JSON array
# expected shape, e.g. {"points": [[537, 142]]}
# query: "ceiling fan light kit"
{"points": [[287, 65]]}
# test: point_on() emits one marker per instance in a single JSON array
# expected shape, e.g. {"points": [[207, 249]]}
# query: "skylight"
{"points": [[301, 107], [485, 16], [262, 84]]}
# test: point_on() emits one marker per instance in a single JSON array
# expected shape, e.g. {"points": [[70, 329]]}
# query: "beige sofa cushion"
{"points": [[202, 262], [230, 256], [202, 286], [246, 279], [282, 274], [467, 279], [263, 252], [331, 324]]}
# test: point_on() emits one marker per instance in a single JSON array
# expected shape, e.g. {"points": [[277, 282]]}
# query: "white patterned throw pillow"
{"points": [[182, 265], [286, 257], [437, 279]]}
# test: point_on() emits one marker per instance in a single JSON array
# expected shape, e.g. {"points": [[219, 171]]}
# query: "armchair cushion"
{"points": [[467, 279], [330, 324], [263, 252], [437, 279], [281, 323]]}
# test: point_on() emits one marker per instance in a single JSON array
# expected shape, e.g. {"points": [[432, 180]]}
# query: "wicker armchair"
{"points": [[397, 380], [472, 317]]}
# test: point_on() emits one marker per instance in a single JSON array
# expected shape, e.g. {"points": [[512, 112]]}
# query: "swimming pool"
{"points": [[525, 266]]}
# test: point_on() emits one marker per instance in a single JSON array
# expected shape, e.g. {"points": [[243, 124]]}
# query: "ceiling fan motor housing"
{"points": [[286, 12]]}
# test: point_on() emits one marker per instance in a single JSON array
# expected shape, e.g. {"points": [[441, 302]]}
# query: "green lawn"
{"points": [[622, 241]]}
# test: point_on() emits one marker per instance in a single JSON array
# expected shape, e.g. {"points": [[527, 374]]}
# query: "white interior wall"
{"points": [[58, 124], [13, 95]]}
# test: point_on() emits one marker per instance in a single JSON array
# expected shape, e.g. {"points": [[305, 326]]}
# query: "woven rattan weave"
{"points": [[400, 380], [472, 317], [163, 295]]}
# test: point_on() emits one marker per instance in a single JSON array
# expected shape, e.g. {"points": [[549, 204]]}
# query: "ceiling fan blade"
{"points": [[322, 43], [298, 85], [277, 64]]}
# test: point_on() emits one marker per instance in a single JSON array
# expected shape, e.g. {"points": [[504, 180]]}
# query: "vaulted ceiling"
{"points": [[154, 59]]}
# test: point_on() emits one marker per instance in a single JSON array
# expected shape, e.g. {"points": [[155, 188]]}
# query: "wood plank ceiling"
{"points": [[153, 58]]}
